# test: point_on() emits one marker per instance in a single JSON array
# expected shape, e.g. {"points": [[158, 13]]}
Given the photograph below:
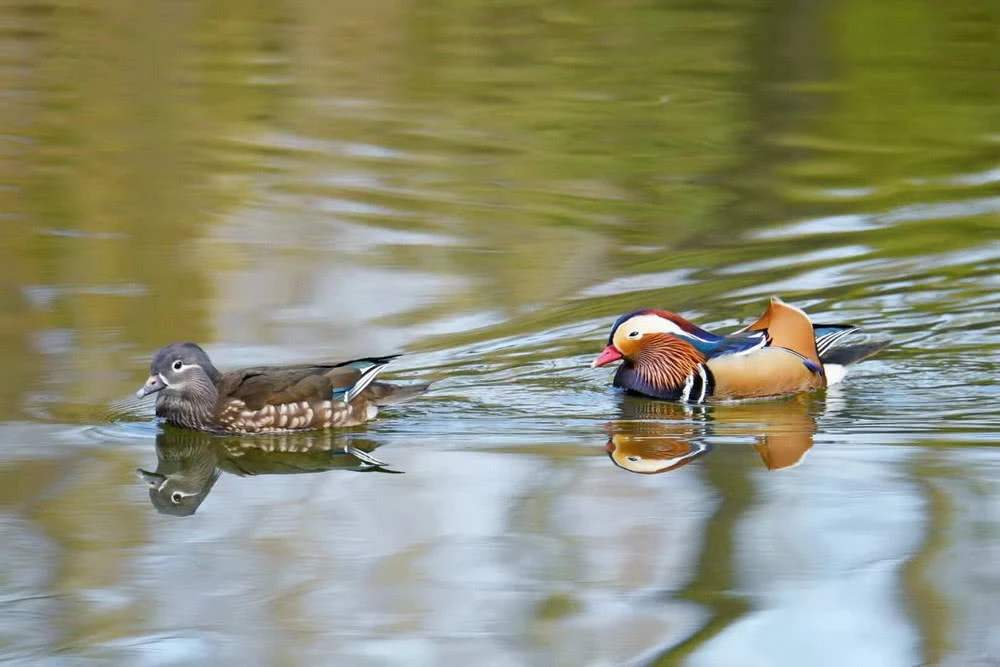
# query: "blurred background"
{"points": [[486, 186]]}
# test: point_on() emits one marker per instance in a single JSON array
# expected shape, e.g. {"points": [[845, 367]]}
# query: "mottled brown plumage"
{"points": [[267, 399]]}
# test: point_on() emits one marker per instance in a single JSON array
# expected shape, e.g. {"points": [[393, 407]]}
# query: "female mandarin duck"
{"points": [[667, 357], [191, 393]]}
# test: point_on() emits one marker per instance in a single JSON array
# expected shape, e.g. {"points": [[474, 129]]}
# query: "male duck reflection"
{"points": [[191, 393], [650, 447], [188, 463], [667, 357], [782, 432]]}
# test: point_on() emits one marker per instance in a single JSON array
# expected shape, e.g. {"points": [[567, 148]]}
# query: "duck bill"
{"points": [[153, 480], [153, 384], [610, 355]]}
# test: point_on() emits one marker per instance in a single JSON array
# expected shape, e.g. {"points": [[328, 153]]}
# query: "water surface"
{"points": [[486, 186]]}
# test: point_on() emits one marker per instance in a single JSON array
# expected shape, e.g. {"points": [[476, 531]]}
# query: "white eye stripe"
{"points": [[657, 324]]}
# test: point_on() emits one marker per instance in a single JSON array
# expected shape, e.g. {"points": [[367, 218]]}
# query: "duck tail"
{"points": [[389, 394], [844, 355]]}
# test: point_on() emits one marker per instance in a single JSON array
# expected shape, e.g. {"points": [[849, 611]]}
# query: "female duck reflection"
{"points": [[189, 462], [782, 431]]}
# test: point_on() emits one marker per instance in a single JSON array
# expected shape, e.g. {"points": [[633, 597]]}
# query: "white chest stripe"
{"points": [[686, 393], [704, 382]]}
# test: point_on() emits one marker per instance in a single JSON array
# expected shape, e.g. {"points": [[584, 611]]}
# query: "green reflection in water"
{"points": [[488, 185]]}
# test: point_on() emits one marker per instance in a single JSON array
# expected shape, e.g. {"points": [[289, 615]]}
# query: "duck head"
{"points": [[184, 381], [659, 350], [181, 370]]}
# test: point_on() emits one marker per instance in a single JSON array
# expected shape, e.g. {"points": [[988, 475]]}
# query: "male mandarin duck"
{"points": [[667, 357], [191, 393]]}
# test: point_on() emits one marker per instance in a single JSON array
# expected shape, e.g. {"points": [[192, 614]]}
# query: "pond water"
{"points": [[485, 186]]}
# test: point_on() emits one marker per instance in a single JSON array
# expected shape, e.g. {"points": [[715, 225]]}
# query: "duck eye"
{"points": [[633, 334], [176, 497], [633, 459], [178, 365]]}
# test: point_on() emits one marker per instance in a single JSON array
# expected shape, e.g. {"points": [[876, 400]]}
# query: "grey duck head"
{"points": [[180, 370]]}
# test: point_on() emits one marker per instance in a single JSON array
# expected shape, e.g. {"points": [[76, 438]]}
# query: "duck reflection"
{"points": [[783, 429], [657, 436], [189, 462], [651, 447]]}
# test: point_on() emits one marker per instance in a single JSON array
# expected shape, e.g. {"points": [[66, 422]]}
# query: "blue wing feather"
{"points": [[734, 344]]}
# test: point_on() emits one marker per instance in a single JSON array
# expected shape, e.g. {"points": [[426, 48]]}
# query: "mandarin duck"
{"points": [[667, 357], [188, 463], [191, 393]]}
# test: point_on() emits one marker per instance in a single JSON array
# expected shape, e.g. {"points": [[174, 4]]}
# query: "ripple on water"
{"points": [[861, 222], [122, 432]]}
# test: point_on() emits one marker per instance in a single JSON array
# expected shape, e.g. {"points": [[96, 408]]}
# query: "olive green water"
{"points": [[485, 186]]}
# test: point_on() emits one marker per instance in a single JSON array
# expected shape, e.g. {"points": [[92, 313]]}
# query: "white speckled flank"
{"points": [[296, 416]]}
